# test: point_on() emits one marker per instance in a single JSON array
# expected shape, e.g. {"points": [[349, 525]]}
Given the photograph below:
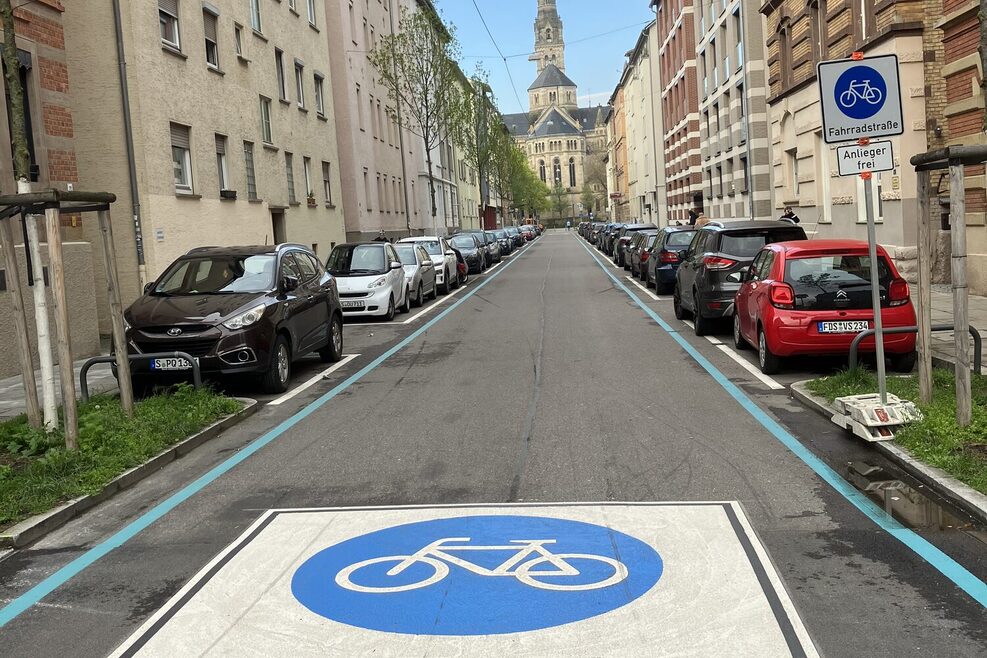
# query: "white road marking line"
{"points": [[689, 324], [715, 341], [749, 367], [314, 380], [643, 289]]}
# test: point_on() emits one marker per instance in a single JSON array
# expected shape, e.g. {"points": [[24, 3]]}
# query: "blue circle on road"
{"points": [[860, 92], [477, 575]]}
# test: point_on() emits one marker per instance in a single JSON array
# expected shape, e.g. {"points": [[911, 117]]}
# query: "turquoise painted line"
{"points": [[20, 604], [944, 564]]}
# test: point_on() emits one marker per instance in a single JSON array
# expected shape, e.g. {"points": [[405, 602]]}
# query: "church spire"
{"points": [[549, 44]]}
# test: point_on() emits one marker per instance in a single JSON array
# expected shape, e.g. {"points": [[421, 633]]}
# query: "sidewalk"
{"points": [[942, 313], [101, 380]]}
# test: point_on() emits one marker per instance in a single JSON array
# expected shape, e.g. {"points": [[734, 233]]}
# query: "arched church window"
{"points": [[541, 170], [572, 172], [557, 171], [548, 34]]}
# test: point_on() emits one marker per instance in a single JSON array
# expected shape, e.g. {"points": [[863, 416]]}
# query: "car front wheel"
{"points": [[738, 338], [390, 309], [278, 372], [447, 283], [420, 297], [680, 312], [406, 306], [333, 351]]}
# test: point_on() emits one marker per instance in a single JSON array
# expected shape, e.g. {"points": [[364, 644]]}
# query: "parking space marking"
{"points": [[483, 580], [314, 380], [751, 368], [713, 340], [643, 289], [689, 324]]}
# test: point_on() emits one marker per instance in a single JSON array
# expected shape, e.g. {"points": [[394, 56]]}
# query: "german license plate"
{"points": [[347, 304], [844, 327], [170, 364]]}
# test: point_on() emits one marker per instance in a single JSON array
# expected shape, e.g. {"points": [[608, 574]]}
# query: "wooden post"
{"points": [[24, 350], [116, 313], [924, 290], [961, 320], [66, 369]]}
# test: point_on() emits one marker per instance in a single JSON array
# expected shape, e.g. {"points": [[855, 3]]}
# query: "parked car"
{"points": [[593, 232], [494, 247], [371, 279], [623, 239], [814, 297], [419, 272], [638, 253], [528, 232], [443, 258], [516, 236], [663, 263], [708, 277], [506, 242], [237, 310], [474, 252], [609, 236]]}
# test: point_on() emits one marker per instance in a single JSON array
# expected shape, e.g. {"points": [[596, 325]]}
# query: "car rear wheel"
{"points": [[770, 363], [420, 297], [333, 351], [738, 338], [903, 362], [680, 312], [278, 372]]}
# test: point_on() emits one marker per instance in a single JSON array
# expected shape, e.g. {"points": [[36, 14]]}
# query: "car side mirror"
{"points": [[289, 283], [149, 287], [396, 265]]}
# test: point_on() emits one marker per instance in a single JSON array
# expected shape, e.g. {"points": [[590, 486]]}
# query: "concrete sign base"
{"points": [[649, 579]]}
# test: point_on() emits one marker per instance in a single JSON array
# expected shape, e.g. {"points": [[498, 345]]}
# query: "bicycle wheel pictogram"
{"points": [[525, 575], [441, 570]]}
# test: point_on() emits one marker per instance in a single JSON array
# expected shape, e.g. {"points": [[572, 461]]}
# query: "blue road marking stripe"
{"points": [[20, 604], [944, 564]]}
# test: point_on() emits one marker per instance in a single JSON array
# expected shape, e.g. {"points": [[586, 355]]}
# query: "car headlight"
{"points": [[382, 281], [246, 319]]}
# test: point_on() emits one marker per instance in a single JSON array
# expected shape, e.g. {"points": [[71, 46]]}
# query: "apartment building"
{"points": [[732, 69], [231, 113], [804, 168], [618, 185], [679, 107]]}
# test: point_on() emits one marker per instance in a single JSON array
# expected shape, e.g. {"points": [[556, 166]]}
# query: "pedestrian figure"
{"points": [[567, 224], [790, 216], [381, 237], [701, 221], [693, 216]]}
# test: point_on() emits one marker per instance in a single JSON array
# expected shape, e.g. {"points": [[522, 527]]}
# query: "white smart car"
{"points": [[443, 258], [370, 278]]}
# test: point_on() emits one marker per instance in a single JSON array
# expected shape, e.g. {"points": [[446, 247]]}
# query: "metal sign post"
{"points": [[875, 287]]}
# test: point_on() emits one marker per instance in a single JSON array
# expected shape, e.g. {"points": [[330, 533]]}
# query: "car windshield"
{"points": [[216, 275], [357, 260], [746, 244], [406, 252], [831, 282], [500, 234], [463, 242], [679, 238], [432, 247]]}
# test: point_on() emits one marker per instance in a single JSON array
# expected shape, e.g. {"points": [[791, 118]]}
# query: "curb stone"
{"points": [[961, 495], [34, 528]]}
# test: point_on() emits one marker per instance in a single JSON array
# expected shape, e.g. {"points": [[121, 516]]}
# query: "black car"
{"points": [[639, 251], [663, 263], [515, 235], [710, 272], [473, 250], [623, 240], [505, 240], [237, 310]]}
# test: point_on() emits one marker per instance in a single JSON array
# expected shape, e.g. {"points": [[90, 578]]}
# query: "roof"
{"points": [[806, 247], [747, 224], [590, 117], [551, 76], [555, 123], [518, 123], [248, 250]]}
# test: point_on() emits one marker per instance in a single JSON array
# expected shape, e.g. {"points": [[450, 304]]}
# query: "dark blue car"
{"points": [[664, 260]]}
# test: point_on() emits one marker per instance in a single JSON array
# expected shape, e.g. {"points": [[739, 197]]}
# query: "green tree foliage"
{"points": [[476, 125], [559, 199]]}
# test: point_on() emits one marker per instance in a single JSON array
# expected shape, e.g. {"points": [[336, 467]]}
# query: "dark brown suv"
{"points": [[237, 310]]}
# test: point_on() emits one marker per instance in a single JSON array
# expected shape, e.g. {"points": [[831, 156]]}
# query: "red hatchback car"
{"points": [[814, 296]]}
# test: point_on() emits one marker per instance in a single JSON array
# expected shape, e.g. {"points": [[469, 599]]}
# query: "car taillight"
{"points": [[898, 292], [668, 257], [717, 263], [782, 295]]}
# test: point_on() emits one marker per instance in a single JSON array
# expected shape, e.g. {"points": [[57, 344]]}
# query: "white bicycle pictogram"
{"points": [[860, 90], [438, 555]]}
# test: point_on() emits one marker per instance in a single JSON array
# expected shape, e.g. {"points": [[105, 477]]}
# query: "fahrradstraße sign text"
{"points": [[860, 98]]}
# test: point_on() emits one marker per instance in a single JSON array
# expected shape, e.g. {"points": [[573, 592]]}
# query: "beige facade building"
{"points": [[232, 118]]}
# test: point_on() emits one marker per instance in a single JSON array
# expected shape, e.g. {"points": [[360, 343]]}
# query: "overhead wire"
{"points": [[510, 77]]}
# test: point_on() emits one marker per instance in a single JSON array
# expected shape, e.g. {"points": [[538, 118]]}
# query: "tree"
{"points": [[595, 175], [587, 198], [559, 199], [476, 126], [417, 66]]}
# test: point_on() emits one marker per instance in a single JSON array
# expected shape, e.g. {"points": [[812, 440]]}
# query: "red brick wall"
{"points": [[58, 120]]}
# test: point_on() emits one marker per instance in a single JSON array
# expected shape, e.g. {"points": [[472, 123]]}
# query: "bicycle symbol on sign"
{"points": [[860, 90], [529, 554]]}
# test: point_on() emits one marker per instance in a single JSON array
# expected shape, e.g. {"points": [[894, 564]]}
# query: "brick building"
{"points": [[679, 106]]}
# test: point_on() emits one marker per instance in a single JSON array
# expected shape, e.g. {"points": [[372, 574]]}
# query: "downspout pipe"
{"points": [[128, 129], [397, 110]]}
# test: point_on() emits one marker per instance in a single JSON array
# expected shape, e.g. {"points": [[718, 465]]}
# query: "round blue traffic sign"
{"points": [[860, 92], [477, 575]]}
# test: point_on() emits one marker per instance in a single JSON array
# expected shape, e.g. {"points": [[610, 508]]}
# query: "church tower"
{"points": [[549, 44]]}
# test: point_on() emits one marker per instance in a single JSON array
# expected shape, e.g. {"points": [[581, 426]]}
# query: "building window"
{"points": [[572, 172], [373, 117], [212, 47], [320, 101], [300, 83], [265, 120], [327, 183], [279, 68], [238, 39], [359, 108], [307, 170], [168, 18], [719, 180], [817, 29], [556, 172], [248, 161], [785, 55], [366, 188], [181, 158], [255, 15], [541, 170], [293, 5], [222, 171], [793, 171], [311, 12], [289, 168]]}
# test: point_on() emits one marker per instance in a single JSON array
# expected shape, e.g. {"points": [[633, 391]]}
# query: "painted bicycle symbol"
{"points": [[532, 564], [861, 90]]}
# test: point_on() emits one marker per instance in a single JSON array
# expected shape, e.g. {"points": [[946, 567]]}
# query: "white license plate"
{"points": [[352, 304], [844, 327], [170, 364]]}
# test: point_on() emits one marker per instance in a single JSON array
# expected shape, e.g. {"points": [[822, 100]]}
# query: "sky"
{"points": [[597, 35]]}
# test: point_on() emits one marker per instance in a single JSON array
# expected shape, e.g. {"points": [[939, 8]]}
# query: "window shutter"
{"points": [[209, 24], [179, 136], [220, 145], [170, 6]]}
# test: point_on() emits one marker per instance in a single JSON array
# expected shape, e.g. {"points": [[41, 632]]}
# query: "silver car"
{"points": [[443, 258], [419, 272]]}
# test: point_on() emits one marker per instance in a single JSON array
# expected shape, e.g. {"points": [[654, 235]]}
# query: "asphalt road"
{"points": [[543, 381]]}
